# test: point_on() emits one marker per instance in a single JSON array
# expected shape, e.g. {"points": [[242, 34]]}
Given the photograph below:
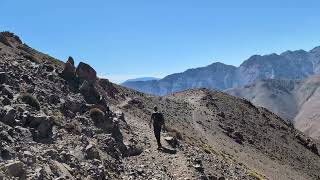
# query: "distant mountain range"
{"points": [[296, 101], [142, 79], [292, 65]]}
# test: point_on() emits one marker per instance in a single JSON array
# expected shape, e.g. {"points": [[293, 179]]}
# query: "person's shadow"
{"points": [[168, 151]]}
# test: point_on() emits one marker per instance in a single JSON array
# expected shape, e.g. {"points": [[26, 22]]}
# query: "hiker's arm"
{"points": [[150, 122]]}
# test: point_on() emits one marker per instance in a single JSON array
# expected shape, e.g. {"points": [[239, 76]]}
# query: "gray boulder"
{"points": [[10, 116], [86, 72], [6, 90], [89, 92], [14, 169], [42, 125], [92, 152]]}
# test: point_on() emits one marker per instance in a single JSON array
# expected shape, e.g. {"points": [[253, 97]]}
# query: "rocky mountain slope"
{"points": [[288, 65], [296, 101], [59, 121], [223, 125]]}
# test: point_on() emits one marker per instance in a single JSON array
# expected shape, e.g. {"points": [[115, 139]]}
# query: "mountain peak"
{"points": [[315, 50]]}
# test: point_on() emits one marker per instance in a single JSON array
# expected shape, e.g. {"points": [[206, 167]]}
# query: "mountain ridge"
{"points": [[297, 64], [141, 79]]}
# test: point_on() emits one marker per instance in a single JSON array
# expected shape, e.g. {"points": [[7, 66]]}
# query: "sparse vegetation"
{"points": [[73, 126], [96, 114], [32, 58], [31, 100], [57, 117], [174, 133], [255, 174]]}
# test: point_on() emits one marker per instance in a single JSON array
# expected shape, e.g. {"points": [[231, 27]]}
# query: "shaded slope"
{"points": [[296, 101], [275, 95]]}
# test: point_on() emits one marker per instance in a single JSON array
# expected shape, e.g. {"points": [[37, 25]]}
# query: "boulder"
{"points": [[238, 137], [35, 120], [10, 116], [42, 125], [173, 142], [92, 152], [6, 101], [22, 133], [4, 136], [6, 90], [86, 72], [14, 169], [3, 77], [6, 152], [70, 60], [69, 71], [197, 164], [52, 153], [135, 102], [108, 87], [28, 158], [45, 129], [54, 99], [89, 92], [73, 104], [133, 150], [63, 172]]}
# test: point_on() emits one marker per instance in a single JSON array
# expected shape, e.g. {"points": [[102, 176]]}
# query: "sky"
{"points": [[125, 39]]}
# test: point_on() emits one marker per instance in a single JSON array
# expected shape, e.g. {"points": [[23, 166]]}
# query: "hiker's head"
{"points": [[155, 108]]}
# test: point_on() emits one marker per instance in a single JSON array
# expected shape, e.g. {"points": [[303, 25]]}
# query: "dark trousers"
{"points": [[157, 133]]}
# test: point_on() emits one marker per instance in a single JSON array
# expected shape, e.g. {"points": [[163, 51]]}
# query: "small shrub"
{"points": [[57, 118], [73, 126], [96, 114], [31, 100], [174, 132]]}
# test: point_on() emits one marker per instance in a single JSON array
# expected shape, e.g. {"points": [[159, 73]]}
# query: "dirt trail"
{"points": [[154, 164]]}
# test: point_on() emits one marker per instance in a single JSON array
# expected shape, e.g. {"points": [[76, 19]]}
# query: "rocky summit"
{"points": [[60, 121]]}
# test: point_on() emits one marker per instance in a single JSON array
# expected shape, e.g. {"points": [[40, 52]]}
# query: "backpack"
{"points": [[158, 119]]}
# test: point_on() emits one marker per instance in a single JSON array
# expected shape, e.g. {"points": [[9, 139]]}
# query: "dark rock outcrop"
{"points": [[69, 71], [89, 92], [86, 72]]}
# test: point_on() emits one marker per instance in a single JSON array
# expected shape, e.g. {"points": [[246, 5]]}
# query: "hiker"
{"points": [[158, 121]]}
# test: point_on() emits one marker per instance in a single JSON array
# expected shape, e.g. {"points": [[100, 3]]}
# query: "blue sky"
{"points": [[133, 38]]}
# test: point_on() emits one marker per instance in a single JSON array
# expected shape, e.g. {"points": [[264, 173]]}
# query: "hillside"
{"points": [[292, 65], [296, 101], [61, 121], [223, 125]]}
